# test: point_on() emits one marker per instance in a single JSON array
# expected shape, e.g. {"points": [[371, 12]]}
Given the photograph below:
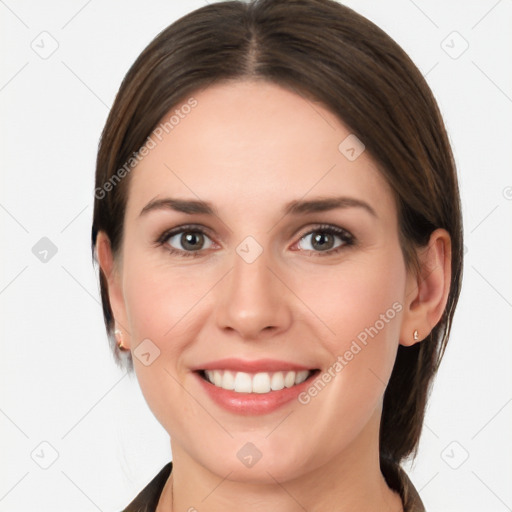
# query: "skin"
{"points": [[249, 148]]}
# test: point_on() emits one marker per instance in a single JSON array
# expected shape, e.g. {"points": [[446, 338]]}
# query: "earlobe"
{"points": [[427, 289]]}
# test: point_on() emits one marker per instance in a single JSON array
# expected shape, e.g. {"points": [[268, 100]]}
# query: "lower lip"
{"points": [[253, 403]]}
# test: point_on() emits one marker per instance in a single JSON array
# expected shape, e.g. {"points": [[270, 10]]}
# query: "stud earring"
{"points": [[119, 340], [415, 335]]}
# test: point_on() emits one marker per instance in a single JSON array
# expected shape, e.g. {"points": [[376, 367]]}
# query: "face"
{"points": [[297, 274]]}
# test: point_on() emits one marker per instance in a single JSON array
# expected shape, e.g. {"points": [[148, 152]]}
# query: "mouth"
{"points": [[253, 387], [256, 383]]}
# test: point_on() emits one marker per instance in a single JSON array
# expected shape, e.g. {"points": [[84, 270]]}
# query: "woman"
{"points": [[278, 228]]}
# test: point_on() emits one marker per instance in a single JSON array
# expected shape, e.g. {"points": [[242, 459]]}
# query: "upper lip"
{"points": [[254, 366]]}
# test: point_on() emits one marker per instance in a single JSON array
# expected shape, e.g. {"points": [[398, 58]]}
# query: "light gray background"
{"points": [[59, 385]]}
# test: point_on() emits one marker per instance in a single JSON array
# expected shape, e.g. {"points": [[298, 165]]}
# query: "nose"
{"points": [[253, 301]]}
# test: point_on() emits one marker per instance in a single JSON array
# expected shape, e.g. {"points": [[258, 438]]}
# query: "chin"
{"points": [[252, 459]]}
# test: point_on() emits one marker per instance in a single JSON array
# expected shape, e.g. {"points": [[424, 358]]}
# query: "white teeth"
{"points": [[277, 381], [301, 376], [289, 379], [217, 378], [262, 382], [243, 382], [228, 381]]}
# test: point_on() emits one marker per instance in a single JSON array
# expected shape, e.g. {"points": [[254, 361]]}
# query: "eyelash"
{"points": [[347, 238]]}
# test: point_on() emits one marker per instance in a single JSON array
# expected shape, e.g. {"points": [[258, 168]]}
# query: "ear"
{"points": [[427, 290], [112, 272]]}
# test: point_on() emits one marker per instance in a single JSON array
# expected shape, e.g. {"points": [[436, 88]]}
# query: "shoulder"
{"points": [[147, 499]]}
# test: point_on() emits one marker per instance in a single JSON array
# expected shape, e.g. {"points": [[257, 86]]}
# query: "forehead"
{"points": [[253, 143]]}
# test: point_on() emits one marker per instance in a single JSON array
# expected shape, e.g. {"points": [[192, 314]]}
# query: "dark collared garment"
{"points": [[397, 479]]}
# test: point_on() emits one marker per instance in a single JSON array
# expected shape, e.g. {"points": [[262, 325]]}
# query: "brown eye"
{"points": [[191, 241], [322, 241], [325, 240], [187, 240]]}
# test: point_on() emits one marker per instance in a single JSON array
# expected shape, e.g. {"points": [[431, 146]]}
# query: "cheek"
{"points": [[361, 299], [160, 299], [362, 307], [157, 303], [168, 307]]}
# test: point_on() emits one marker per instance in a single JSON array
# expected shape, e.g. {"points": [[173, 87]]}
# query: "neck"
{"points": [[350, 480]]}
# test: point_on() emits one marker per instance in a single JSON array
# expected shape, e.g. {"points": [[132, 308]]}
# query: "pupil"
{"points": [[191, 240], [323, 240]]}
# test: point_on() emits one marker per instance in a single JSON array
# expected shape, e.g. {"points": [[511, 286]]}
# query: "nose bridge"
{"points": [[253, 299]]}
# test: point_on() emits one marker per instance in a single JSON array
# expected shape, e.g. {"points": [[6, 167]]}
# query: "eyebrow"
{"points": [[323, 204], [296, 207]]}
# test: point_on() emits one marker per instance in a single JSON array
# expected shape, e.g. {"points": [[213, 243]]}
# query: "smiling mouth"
{"points": [[260, 383]]}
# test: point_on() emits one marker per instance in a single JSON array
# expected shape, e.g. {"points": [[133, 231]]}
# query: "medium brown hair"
{"points": [[328, 53]]}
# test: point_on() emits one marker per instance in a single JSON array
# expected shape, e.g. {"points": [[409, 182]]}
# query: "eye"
{"points": [[191, 241], [325, 240], [185, 241]]}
